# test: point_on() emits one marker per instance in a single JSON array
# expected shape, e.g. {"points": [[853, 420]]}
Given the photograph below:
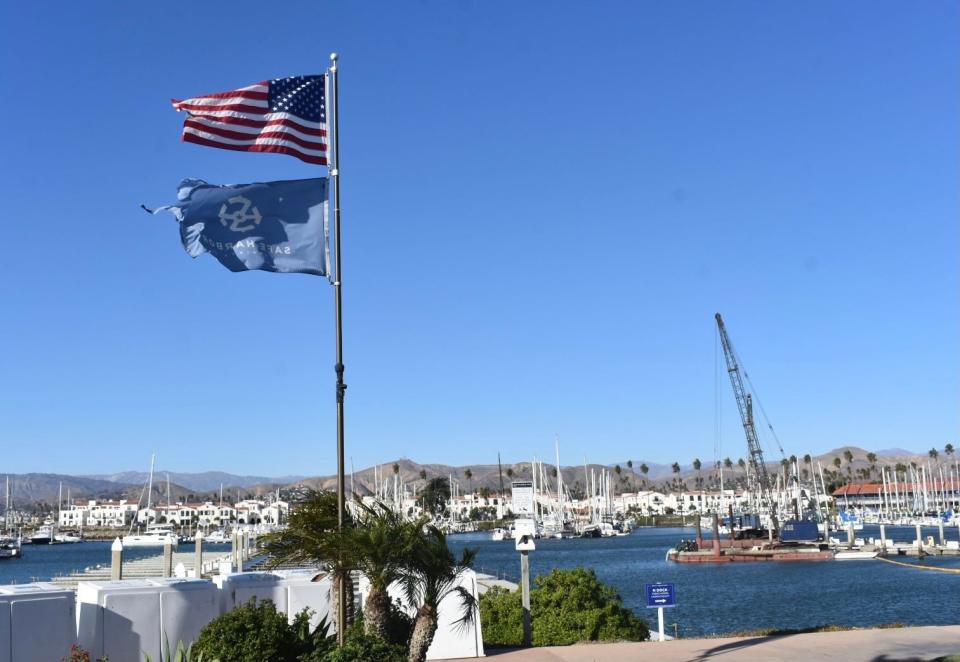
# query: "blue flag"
{"points": [[271, 226]]}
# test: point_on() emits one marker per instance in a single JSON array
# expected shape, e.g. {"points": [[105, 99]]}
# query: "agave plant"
{"points": [[182, 654]]}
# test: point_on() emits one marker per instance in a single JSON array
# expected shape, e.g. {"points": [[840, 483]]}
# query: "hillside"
{"points": [[487, 475], [207, 481], [44, 487]]}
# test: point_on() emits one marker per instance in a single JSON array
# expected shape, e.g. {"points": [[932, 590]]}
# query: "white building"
{"points": [[115, 514]]}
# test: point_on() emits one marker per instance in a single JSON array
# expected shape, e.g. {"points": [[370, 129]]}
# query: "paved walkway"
{"points": [[890, 645]]}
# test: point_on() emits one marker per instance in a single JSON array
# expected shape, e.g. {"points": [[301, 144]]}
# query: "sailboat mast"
{"points": [[153, 458], [556, 444]]}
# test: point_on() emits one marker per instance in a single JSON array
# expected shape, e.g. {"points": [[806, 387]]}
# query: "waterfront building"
{"points": [[109, 514], [913, 496]]}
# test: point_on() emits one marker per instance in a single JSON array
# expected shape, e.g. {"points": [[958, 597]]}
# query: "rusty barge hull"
{"points": [[738, 555]]}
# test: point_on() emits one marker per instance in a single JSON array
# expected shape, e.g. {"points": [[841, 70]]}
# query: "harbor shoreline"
{"points": [[858, 645]]}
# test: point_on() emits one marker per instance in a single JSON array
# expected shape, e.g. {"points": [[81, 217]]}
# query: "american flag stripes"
{"points": [[283, 116]]}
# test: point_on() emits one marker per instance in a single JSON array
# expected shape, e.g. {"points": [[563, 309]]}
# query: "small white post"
{"points": [[167, 559], [198, 555], [883, 539], [660, 622], [525, 597], [116, 560], [240, 539]]}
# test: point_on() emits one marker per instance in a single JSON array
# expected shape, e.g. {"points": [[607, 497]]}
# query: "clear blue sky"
{"points": [[544, 206]]}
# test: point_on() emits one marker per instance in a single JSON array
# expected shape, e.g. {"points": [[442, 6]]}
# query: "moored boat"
{"points": [[43, 536], [156, 535], [9, 549]]}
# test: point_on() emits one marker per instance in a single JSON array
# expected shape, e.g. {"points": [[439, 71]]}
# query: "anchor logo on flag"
{"points": [[242, 219]]}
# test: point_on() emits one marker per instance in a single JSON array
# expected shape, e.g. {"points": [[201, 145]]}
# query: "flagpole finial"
{"points": [[334, 57]]}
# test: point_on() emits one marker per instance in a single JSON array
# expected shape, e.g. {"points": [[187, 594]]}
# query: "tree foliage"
{"points": [[435, 495], [359, 647], [567, 606]]}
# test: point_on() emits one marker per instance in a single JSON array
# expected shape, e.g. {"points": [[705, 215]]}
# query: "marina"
{"points": [[712, 599]]}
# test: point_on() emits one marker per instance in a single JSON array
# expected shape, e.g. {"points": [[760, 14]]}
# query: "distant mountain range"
{"points": [[44, 488], [34, 488], [200, 482]]}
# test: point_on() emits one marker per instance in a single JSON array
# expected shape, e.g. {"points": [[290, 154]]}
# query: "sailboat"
{"points": [[9, 545], [156, 535]]}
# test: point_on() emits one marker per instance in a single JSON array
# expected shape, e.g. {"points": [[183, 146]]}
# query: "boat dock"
{"points": [[151, 566]]}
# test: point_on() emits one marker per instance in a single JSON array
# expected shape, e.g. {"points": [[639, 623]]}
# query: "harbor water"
{"points": [[45, 562], [711, 599], [734, 597]]}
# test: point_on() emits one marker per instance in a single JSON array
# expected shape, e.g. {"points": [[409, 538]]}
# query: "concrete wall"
{"points": [[127, 618], [37, 622]]}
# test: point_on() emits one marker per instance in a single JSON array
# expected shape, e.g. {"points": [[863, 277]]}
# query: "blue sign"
{"points": [[661, 595]]}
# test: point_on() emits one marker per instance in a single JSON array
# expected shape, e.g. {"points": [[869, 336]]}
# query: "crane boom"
{"points": [[745, 405]]}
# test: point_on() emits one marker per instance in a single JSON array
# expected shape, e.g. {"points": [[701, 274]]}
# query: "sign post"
{"points": [[660, 595], [525, 545]]}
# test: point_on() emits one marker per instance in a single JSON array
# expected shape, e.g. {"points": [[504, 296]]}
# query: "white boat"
{"points": [[43, 536], [66, 538], [9, 549], [853, 555], [217, 537], [156, 535], [498, 534]]}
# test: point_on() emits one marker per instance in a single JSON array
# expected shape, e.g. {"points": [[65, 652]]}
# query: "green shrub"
{"points": [[566, 606], [501, 617], [255, 632], [360, 647]]}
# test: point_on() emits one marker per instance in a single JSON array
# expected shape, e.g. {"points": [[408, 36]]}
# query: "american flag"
{"points": [[283, 116]]}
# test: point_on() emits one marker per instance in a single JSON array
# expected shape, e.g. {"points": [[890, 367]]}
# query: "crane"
{"points": [[745, 405]]}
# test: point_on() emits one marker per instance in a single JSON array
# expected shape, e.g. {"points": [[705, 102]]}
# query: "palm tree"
{"points": [[617, 470], [469, 476], [948, 450], [848, 456], [432, 574], [696, 466], [312, 537], [676, 469], [633, 484], [379, 546], [727, 463], [644, 469], [509, 472], [423, 474], [934, 454], [837, 462]]}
